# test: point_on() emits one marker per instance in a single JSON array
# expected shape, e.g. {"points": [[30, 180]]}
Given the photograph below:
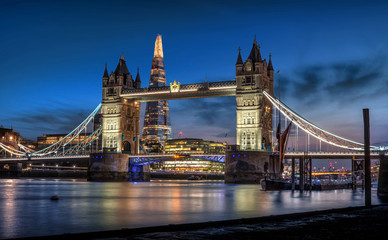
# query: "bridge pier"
{"points": [[139, 173], [246, 166], [116, 167], [108, 167]]}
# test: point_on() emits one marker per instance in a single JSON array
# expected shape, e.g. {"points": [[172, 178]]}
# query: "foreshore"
{"points": [[344, 223]]}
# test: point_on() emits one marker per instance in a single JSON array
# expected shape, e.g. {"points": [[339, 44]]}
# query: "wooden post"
{"points": [[368, 185], [311, 171], [354, 180], [293, 174], [301, 174]]}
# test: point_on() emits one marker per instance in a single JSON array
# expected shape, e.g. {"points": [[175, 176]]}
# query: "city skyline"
{"points": [[330, 67]]}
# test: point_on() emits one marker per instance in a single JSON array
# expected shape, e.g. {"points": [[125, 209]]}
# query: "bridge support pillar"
{"points": [[139, 173], [108, 167], [382, 188], [246, 166], [357, 172]]}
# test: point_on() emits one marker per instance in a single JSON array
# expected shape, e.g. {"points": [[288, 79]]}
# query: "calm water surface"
{"points": [[27, 210]]}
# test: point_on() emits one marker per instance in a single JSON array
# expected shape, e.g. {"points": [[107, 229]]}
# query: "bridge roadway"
{"points": [[150, 158]]}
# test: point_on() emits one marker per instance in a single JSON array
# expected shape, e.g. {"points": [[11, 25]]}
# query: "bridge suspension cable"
{"points": [[61, 144], [11, 150], [26, 149], [313, 130], [84, 143]]}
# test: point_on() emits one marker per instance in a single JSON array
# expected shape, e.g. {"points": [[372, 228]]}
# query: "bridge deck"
{"points": [[211, 157]]}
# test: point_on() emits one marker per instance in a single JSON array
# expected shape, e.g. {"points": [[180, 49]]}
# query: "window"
{"points": [[111, 92]]}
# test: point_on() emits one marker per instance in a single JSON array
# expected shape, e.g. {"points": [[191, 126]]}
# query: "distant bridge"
{"points": [[145, 159]]}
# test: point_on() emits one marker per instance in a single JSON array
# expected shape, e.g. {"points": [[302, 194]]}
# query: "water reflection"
{"points": [[92, 206]]}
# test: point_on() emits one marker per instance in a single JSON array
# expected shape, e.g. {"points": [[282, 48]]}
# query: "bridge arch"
{"points": [[126, 147]]}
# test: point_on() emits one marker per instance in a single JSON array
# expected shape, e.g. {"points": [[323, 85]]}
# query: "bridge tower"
{"points": [[254, 112], [120, 117]]}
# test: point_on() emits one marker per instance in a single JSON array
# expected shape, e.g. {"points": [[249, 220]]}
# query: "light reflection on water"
{"points": [[27, 210]]}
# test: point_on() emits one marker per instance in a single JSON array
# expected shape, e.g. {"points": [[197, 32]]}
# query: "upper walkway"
{"points": [[200, 90]]}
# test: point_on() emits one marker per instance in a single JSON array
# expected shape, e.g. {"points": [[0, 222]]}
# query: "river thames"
{"points": [[27, 210]]}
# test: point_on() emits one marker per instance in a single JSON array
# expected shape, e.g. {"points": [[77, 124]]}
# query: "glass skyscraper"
{"points": [[157, 126]]}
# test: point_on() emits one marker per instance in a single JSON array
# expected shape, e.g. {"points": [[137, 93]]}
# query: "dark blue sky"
{"points": [[332, 57]]}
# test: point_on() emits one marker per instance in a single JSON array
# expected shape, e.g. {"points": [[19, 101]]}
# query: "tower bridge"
{"points": [[253, 89]]}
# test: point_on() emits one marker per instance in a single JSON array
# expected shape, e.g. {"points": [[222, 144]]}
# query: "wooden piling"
{"points": [[368, 184], [293, 174]]}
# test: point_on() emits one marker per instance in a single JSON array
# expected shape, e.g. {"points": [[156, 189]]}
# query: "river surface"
{"points": [[26, 208]]}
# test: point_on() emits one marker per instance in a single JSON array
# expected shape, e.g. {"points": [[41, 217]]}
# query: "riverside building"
{"points": [[193, 146]]}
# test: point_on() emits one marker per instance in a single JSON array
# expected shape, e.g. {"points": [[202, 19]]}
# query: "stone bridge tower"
{"points": [[120, 117], [254, 112]]}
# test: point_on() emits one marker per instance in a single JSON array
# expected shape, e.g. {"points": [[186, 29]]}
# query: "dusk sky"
{"points": [[332, 57]]}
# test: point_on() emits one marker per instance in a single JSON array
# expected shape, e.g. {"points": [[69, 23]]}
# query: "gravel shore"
{"points": [[346, 223]]}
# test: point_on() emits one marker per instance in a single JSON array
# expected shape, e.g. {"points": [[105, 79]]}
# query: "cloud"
{"points": [[207, 118], [49, 121], [338, 83]]}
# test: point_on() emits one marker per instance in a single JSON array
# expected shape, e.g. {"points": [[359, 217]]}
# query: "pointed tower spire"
{"points": [[239, 59], [121, 68], [137, 80], [106, 71], [158, 52], [270, 67], [255, 55], [258, 56]]}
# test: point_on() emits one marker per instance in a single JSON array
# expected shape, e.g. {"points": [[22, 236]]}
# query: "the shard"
{"points": [[157, 127]]}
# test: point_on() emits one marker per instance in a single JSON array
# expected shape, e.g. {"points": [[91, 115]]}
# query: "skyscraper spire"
{"points": [[158, 52], [157, 127]]}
